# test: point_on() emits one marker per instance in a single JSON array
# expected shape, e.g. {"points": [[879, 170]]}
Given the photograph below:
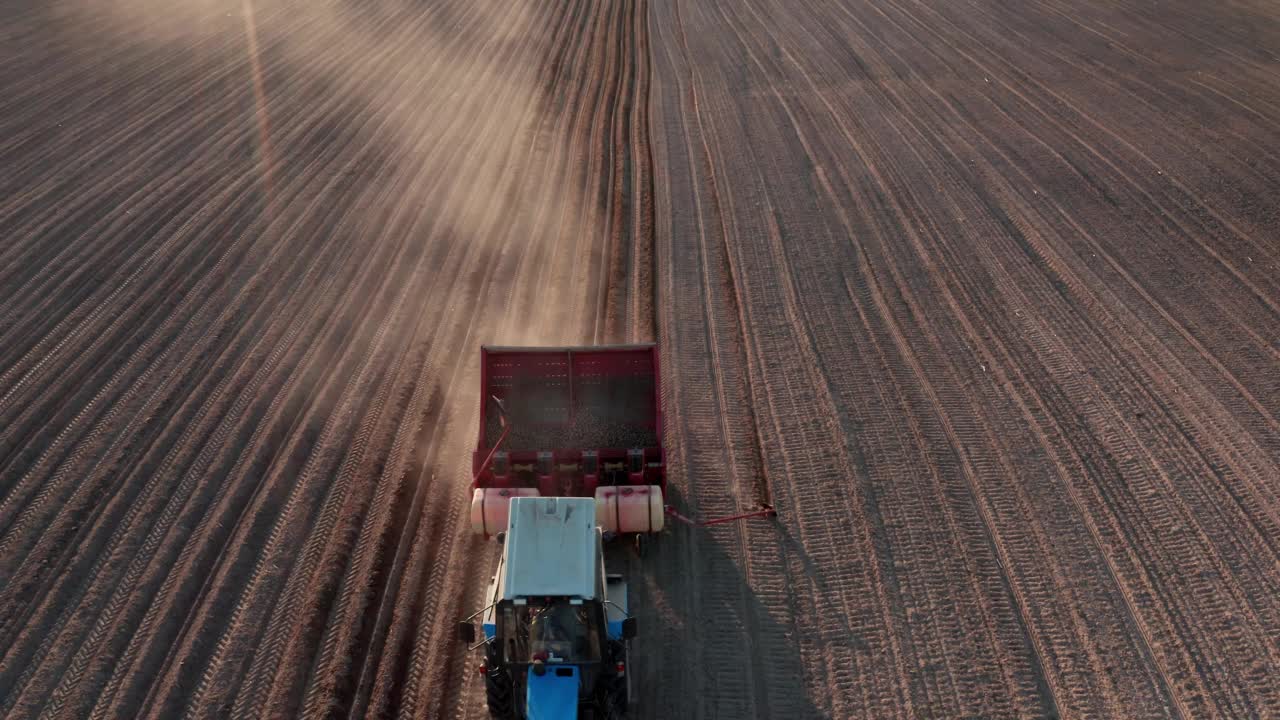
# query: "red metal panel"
{"points": [[565, 400], [484, 397]]}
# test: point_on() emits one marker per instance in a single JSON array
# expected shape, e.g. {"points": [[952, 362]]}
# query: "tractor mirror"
{"points": [[466, 632], [629, 628]]}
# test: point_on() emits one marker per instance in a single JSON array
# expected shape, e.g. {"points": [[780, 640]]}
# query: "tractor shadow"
{"points": [[707, 646]]}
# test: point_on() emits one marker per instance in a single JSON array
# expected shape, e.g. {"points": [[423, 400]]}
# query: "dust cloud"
{"points": [[443, 121]]}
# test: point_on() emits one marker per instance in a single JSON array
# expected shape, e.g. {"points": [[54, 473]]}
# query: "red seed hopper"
{"points": [[570, 421]]}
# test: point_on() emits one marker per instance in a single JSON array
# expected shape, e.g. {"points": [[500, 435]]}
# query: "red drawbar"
{"points": [[765, 511]]}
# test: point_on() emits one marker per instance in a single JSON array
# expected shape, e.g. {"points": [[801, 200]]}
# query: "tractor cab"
{"points": [[556, 627], [562, 631]]}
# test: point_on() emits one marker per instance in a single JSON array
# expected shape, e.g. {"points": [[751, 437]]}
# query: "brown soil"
{"points": [[252, 249], [984, 297]]}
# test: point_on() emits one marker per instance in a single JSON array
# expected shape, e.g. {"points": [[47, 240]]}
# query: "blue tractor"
{"points": [[569, 455], [556, 628]]}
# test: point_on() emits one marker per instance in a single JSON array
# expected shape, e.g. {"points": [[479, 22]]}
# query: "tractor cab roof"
{"points": [[551, 549]]}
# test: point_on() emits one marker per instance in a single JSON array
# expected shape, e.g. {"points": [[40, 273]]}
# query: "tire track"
{"points": [[185, 372], [1039, 328]]}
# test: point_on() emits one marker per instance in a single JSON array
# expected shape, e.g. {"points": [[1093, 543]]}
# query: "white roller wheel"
{"points": [[630, 509], [490, 508]]}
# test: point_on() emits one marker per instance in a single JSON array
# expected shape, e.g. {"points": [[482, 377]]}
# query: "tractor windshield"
{"points": [[558, 633]]}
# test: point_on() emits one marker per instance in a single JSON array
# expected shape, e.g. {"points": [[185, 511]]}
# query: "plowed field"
{"points": [[989, 298], [983, 296], [250, 251]]}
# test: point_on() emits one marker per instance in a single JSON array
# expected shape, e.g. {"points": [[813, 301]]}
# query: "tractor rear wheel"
{"points": [[499, 693], [615, 700]]}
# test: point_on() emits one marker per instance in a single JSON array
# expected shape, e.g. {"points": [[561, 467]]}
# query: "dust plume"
{"points": [[437, 115]]}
